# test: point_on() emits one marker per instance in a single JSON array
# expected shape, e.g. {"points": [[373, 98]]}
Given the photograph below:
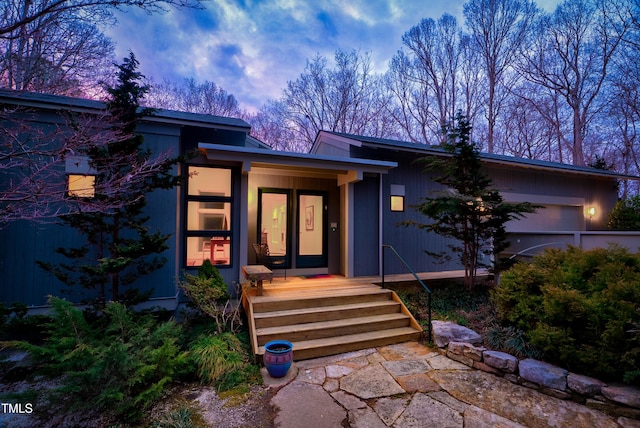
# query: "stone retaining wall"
{"points": [[464, 345]]}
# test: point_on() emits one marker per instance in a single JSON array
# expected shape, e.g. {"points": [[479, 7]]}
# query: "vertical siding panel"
{"points": [[366, 219]]}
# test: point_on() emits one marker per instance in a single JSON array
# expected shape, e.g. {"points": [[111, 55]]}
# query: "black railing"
{"points": [[415, 275]]}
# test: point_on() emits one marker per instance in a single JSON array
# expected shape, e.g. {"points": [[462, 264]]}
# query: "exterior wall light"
{"points": [[591, 211]]}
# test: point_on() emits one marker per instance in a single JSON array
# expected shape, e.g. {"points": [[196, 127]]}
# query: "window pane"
{"points": [[273, 224], [216, 249], [81, 186], [208, 215], [397, 203], [205, 181]]}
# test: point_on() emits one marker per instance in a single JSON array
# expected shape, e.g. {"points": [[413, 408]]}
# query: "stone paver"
{"points": [[406, 367], [371, 382], [424, 408], [302, 404], [517, 403], [410, 385]]}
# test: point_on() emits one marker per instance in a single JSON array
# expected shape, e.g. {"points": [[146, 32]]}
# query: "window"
{"points": [[397, 197], [81, 180], [81, 186], [208, 218]]}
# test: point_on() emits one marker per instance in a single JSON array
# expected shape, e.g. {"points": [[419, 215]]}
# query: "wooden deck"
{"points": [[325, 316]]}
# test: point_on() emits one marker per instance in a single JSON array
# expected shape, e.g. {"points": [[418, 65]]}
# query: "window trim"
{"points": [[225, 234]]}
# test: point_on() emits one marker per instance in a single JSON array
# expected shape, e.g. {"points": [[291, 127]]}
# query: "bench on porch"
{"points": [[256, 274]]}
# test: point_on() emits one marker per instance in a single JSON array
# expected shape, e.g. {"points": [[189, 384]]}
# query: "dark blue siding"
{"points": [[366, 227], [23, 243]]}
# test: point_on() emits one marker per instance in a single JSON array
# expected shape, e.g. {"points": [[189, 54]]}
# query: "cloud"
{"points": [[251, 48]]}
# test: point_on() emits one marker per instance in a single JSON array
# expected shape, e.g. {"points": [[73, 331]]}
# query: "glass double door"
{"points": [[294, 226]]}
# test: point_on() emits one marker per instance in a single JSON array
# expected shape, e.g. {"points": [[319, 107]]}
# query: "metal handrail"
{"points": [[546, 244], [415, 275]]}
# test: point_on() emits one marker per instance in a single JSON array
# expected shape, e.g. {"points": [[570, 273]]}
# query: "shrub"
{"points": [[119, 363], [625, 215], [579, 308], [221, 360], [208, 292]]}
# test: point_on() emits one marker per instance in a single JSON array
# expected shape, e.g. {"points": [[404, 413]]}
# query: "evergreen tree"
{"points": [[468, 210], [119, 247]]}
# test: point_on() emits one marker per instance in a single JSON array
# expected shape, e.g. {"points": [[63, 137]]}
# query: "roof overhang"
{"points": [[343, 141], [346, 170], [59, 102]]}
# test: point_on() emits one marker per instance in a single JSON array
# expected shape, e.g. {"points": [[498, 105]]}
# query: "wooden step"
{"points": [[338, 327], [322, 313], [336, 345], [310, 300]]}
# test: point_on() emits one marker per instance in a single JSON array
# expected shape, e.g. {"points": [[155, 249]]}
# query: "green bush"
{"points": [[625, 215], [222, 360], [580, 308], [207, 291], [118, 363]]}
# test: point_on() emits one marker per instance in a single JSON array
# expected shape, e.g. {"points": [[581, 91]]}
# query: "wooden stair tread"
{"points": [[350, 339], [310, 294], [294, 328], [322, 309]]}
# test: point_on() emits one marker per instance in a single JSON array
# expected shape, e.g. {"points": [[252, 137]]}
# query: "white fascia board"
{"points": [[249, 156], [343, 143]]}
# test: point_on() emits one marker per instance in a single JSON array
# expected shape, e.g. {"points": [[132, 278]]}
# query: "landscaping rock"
{"points": [[460, 358], [467, 350], [486, 368], [544, 374], [473, 352], [623, 394], [584, 385], [500, 360], [522, 405], [447, 331]]}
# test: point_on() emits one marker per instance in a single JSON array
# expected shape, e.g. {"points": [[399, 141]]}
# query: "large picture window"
{"points": [[208, 219]]}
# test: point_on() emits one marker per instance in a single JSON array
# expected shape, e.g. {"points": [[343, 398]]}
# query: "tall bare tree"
{"points": [[348, 98], [194, 97], [499, 28], [571, 54], [58, 53], [16, 14], [55, 46], [425, 78]]}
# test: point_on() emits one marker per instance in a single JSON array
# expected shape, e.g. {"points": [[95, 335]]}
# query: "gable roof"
{"points": [[59, 102], [342, 140]]}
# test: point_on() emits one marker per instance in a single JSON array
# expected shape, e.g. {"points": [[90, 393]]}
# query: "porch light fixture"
{"points": [[591, 211]]}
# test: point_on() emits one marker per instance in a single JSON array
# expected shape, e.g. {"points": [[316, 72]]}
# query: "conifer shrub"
{"points": [[580, 308], [119, 363]]}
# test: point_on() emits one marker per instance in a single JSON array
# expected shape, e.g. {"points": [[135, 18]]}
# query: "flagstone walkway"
{"points": [[411, 385]]}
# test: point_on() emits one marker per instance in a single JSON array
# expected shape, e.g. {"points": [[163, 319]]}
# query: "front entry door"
{"points": [[274, 206], [312, 230]]}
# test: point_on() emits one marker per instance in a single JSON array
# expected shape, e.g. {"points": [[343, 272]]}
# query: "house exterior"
{"points": [[324, 212]]}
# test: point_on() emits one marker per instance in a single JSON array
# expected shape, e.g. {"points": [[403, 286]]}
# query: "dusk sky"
{"points": [[251, 48]]}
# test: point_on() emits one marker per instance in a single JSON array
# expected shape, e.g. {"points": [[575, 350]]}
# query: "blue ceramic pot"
{"points": [[278, 356]]}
